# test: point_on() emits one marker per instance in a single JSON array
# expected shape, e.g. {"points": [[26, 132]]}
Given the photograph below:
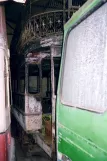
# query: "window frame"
{"points": [[73, 26], [38, 80]]}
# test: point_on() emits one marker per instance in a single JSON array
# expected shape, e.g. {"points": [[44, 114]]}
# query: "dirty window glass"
{"points": [[85, 70], [22, 85], [34, 79]]}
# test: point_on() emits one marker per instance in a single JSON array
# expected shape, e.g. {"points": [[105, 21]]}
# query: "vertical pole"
{"points": [[40, 77], [64, 9], [29, 8], [48, 83], [52, 83], [26, 78], [69, 7], [26, 89], [53, 50]]}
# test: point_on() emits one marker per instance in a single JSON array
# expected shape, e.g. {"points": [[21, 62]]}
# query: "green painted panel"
{"points": [[81, 135]]}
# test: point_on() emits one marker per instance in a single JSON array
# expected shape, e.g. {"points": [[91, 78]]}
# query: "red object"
{"points": [[5, 141], [3, 147]]}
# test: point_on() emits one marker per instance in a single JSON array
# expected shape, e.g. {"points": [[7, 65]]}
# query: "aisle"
{"points": [[20, 156]]}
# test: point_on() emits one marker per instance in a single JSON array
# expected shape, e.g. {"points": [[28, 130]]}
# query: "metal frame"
{"points": [[53, 51], [42, 25], [83, 16]]}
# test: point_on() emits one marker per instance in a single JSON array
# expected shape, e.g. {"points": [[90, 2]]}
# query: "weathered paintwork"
{"points": [[6, 143], [29, 123], [3, 153], [81, 135], [30, 117], [4, 66]]}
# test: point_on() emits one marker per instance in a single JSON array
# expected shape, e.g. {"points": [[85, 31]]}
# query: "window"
{"points": [[46, 81], [22, 80], [85, 69], [44, 85], [22, 85], [34, 79]]}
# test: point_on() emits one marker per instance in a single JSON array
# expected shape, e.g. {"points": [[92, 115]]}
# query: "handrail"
{"points": [[43, 25]]}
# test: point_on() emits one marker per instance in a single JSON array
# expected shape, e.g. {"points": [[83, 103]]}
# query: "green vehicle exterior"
{"points": [[81, 108]]}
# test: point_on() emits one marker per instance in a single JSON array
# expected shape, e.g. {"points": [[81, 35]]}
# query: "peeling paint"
{"points": [[35, 106], [33, 123]]}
